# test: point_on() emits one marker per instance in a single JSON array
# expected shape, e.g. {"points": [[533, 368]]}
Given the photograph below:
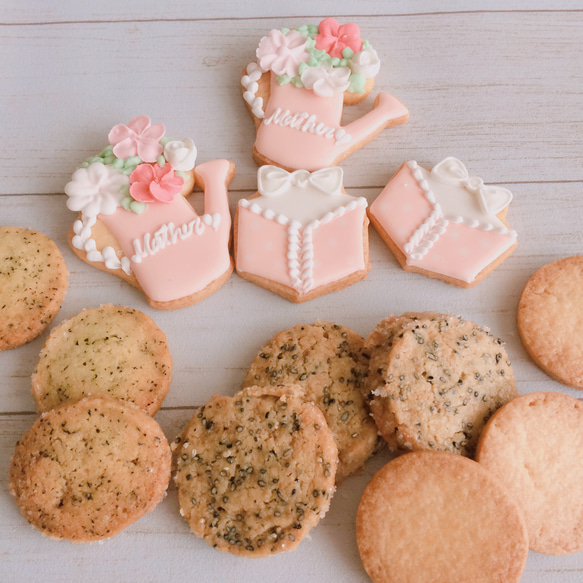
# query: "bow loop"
{"points": [[492, 199]]}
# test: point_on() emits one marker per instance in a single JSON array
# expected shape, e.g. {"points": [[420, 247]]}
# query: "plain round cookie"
{"points": [[376, 349], [33, 283], [444, 378], [87, 470], [325, 360], [255, 472], [550, 319], [110, 349], [534, 445], [439, 518]]}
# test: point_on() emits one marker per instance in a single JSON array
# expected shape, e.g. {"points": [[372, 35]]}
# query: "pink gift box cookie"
{"points": [[296, 90], [301, 235], [135, 222], [444, 223]]}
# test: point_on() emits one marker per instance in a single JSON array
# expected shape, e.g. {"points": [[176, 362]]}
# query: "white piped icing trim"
{"points": [[251, 85], [83, 241], [300, 246]]}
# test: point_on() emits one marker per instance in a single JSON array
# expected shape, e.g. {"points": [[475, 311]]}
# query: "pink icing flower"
{"points": [[151, 183], [138, 138], [282, 53], [334, 38]]}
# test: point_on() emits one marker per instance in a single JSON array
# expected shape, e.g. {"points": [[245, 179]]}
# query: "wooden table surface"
{"points": [[497, 84]]}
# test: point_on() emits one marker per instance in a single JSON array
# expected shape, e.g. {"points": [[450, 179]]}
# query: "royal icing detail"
{"points": [[445, 220], [170, 251], [300, 206], [308, 70]]}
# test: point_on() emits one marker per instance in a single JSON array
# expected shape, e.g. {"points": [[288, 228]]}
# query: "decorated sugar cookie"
{"points": [[296, 89], [301, 235], [134, 220], [444, 223]]}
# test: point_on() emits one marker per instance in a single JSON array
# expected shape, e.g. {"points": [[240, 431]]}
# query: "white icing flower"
{"points": [[366, 62], [326, 80], [282, 53], [96, 189], [181, 154]]}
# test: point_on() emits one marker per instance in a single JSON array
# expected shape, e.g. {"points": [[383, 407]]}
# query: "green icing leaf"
{"points": [[138, 207], [347, 53], [94, 159], [365, 44], [118, 163], [109, 159], [107, 151], [335, 61], [126, 201], [357, 83], [165, 140], [297, 81], [181, 174], [84, 165], [283, 79], [161, 160], [284, 30], [308, 30], [303, 67], [132, 161]]}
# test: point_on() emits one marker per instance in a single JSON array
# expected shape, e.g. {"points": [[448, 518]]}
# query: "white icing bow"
{"points": [[493, 199], [273, 181]]}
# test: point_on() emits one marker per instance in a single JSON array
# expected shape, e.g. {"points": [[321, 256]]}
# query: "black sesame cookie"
{"points": [[33, 283], [325, 360], [444, 378], [255, 472], [111, 349], [87, 470], [376, 349]]}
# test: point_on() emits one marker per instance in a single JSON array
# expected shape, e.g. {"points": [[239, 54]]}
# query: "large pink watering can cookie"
{"points": [[136, 223], [296, 91]]}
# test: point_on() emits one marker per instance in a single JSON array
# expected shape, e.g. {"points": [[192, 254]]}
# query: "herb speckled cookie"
{"points": [[443, 380], [325, 360], [87, 470], [111, 349], [33, 283], [439, 518], [255, 472]]}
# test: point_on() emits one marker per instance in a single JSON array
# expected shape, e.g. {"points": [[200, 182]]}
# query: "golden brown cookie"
{"points": [[443, 380], [325, 360], [533, 446], [33, 283], [255, 472], [376, 349], [439, 518], [87, 470], [111, 349], [550, 313]]}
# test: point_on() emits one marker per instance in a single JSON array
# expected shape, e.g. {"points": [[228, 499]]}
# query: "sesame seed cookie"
{"points": [[255, 472], [87, 470], [443, 380], [376, 349], [325, 360], [533, 446], [550, 312], [439, 518], [33, 283], [110, 349]]}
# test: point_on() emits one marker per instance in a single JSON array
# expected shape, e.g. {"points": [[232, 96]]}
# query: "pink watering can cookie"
{"points": [[296, 91], [135, 222]]}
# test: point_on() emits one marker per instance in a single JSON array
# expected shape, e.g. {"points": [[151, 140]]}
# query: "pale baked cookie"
{"points": [[549, 319], [135, 222], [439, 518], [87, 470], [111, 349], [376, 349], [444, 223], [301, 235], [296, 89], [533, 446], [325, 360], [255, 472], [33, 283], [444, 378]]}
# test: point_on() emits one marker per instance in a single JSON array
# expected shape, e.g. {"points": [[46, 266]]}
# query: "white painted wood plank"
{"points": [[506, 104], [39, 11]]}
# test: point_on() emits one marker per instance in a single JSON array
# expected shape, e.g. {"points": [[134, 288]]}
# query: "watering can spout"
{"points": [[214, 178]]}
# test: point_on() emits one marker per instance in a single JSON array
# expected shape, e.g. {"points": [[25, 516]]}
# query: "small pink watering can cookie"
{"points": [[296, 90], [135, 222]]}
